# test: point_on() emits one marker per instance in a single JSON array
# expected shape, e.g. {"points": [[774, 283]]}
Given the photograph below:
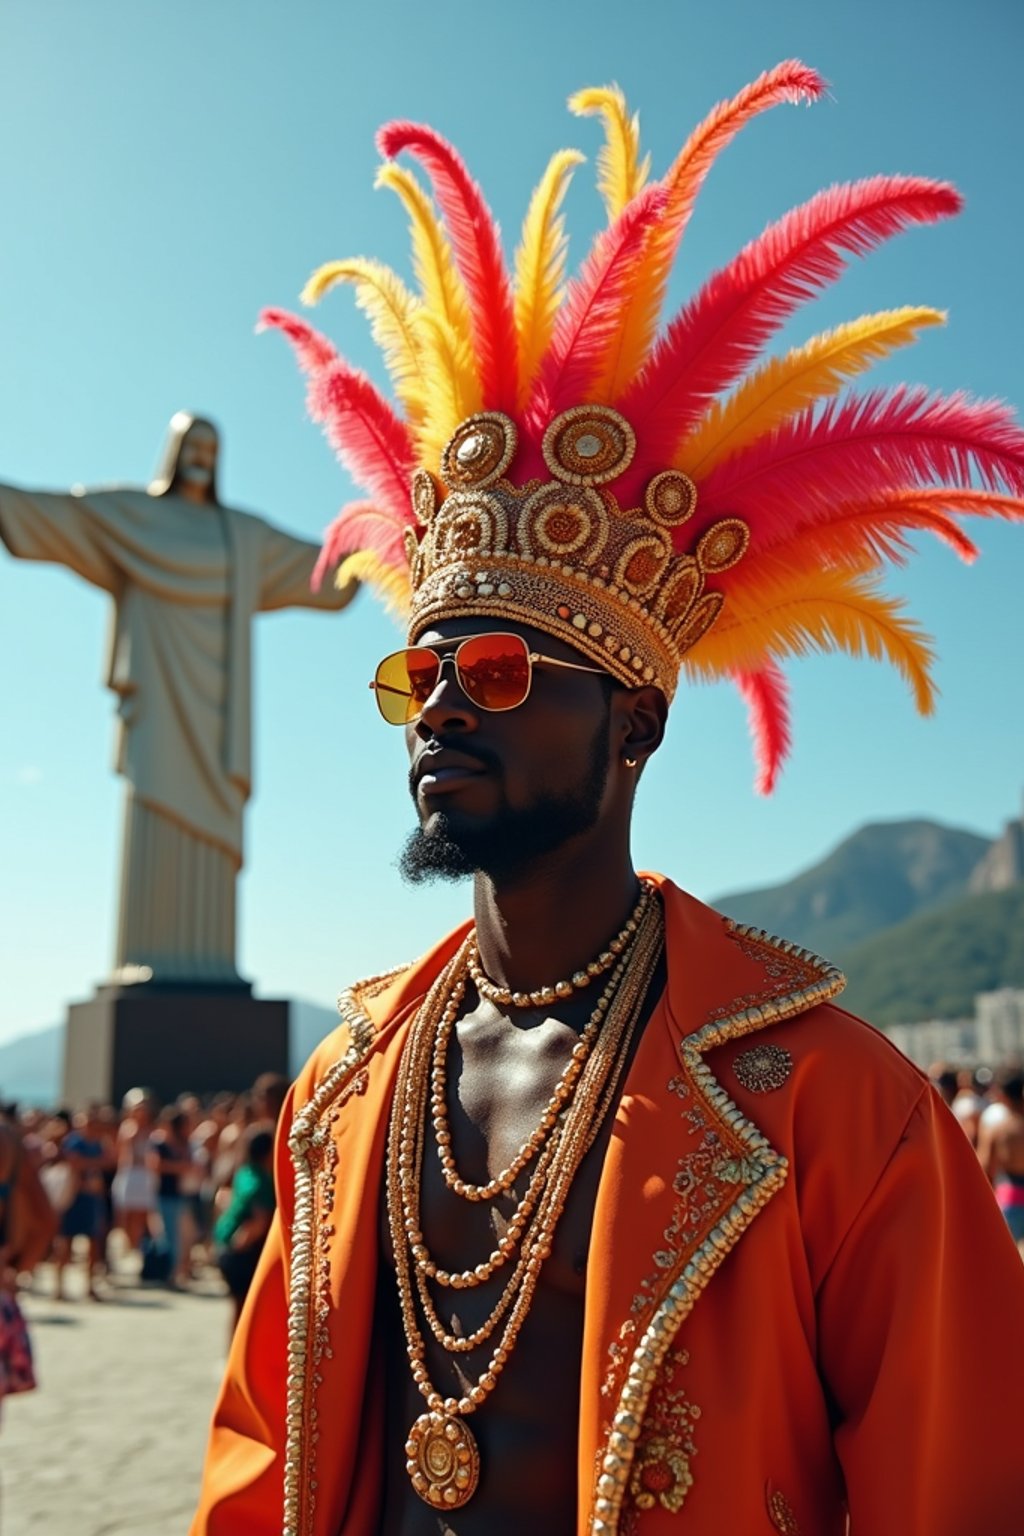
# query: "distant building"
{"points": [[995, 1034], [1000, 1020], [936, 1040]]}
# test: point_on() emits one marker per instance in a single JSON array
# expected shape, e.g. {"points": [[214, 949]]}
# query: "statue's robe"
{"points": [[186, 581], [802, 1304]]}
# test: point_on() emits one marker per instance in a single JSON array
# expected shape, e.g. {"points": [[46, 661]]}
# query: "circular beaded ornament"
{"points": [[764, 1068], [442, 1460], [479, 451], [588, 445], [642, 564], [670, 498], [698, 621], [681, 591], [723, 545], [424, 496], [467, 525], [557, 522]]}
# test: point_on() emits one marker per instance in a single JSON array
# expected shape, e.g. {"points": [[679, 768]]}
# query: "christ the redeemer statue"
{"points": [[186, 574]]}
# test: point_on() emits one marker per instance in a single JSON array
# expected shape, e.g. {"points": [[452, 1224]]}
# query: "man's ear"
{"points": [[639, 724]]}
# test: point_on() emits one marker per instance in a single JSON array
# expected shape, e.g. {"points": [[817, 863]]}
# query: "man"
{"points": [[85, 1153], [186, 574], [602, 1217]]}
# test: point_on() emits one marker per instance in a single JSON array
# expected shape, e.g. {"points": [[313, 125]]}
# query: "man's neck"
{"points": [[541, 928]]}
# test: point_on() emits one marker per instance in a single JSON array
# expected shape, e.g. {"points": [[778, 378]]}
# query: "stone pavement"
{"points": [[112, 1442]]}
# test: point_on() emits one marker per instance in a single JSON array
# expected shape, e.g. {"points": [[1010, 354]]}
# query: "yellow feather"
{"points": [[392, 311], [540, 266], [392, 584], [784, 386], [452, 389], [787, 613], [443, 291], [620, 172]]}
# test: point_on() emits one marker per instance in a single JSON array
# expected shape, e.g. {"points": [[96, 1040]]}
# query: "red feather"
{"points": [[766, 694], [591, 310], [312, 350], [476, 246], [371, 442], [358, 526], [862, 447], [789, 81], [725, 326]]}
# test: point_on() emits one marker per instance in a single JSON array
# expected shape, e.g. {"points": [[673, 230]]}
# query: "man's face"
{"points": [[197, 459], [496, 791]]}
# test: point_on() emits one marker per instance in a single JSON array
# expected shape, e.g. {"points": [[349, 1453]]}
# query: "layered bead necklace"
{"points": [[442, 1457]]}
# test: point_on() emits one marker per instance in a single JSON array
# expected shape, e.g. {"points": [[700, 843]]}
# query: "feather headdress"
{"points": [[654, 490]]}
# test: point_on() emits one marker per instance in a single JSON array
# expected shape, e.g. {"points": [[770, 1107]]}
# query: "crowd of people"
{"points": [[188, 1185], [989, 1107], [190, 1188]]}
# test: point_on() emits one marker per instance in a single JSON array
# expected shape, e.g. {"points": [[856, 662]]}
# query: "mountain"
{"points": [[931, 966], [879, 876], [30, 1065]]}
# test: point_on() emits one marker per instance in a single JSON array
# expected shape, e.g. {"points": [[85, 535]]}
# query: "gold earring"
{"points": [[630, 762]]}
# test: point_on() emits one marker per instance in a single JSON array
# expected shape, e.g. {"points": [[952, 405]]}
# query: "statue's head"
{"points": [[188, 463]]}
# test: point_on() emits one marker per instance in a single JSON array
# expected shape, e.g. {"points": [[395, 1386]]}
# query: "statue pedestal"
{"points": [[173, 1039]]}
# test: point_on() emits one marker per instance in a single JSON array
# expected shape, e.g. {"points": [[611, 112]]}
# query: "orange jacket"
{"points": [[802, 1304]]}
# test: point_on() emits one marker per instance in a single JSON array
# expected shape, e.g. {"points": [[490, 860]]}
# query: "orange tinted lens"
{"points": [[403, 684], [494, 670]]}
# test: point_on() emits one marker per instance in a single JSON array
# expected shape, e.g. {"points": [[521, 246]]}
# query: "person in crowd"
{"points": [[269, 1092], [56, 1172], [1001, 1147], [968, 1104], [134, 1185], [194, 1182], [27, 1227], [84, 1153], [240, 1115], [943, 1079], [242, 1228], [171, 1161]]}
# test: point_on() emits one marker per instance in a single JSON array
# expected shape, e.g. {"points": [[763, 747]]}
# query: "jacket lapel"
{"points": [[685, 1175], [337, 1148]]}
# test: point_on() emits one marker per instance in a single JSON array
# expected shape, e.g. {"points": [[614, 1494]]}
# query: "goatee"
{"points": [[510, 842]]}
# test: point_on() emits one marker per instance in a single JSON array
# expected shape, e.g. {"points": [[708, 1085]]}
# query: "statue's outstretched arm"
{"points": [[286, 571], [64, 529]]}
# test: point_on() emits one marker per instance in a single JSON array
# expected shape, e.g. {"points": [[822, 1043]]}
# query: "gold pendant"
{"points": [[443, 1460]]}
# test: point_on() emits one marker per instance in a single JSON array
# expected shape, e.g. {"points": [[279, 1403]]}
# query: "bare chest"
{"points": [[498, 1084]]}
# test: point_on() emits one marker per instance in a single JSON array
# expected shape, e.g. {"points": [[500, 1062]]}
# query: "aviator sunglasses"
{"points": [[494, 672]]}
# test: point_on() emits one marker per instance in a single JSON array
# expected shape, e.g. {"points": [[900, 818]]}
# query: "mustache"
{"points": [[490, 761]]}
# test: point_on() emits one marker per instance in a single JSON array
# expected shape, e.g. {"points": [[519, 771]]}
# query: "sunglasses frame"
{"points": [[533, 658]]}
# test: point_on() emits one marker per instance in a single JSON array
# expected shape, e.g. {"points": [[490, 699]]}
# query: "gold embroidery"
{"points": [[662, 1472], [747, 1172], [763, 1068], [781, 1514], [802, 978], [308, 1143]]}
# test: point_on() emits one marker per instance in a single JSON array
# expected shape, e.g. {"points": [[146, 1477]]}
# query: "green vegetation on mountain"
{"points": [[931, 966], [878, 877]]}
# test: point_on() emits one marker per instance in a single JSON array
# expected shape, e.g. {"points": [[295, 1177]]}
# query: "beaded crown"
{"points": [[663, 499]]}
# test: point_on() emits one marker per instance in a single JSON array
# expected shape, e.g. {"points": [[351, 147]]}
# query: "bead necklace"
{"points": [[543, 997], [443, 1460], [503, 1182], [424, 1266]]}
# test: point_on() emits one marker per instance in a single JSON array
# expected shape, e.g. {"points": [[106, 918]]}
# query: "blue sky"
{"points": [[166, 170]]}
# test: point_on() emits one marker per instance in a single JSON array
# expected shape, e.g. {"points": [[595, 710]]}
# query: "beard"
{"points": [[506, 846]]}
